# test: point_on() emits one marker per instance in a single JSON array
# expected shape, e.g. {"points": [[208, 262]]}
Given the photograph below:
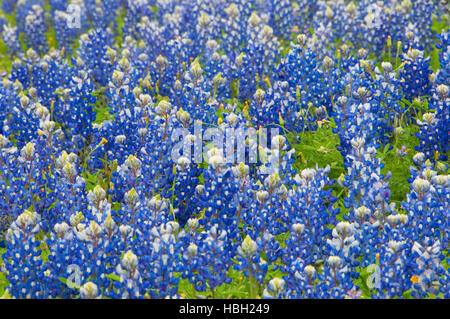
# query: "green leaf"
{"points": [[113, 277], [434, 60]]}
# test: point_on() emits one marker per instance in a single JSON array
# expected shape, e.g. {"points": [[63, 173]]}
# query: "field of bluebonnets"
{"points": [[340, 109]]}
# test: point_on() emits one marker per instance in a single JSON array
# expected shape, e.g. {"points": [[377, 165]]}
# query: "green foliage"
{"points": [[120, 21], [3, 281], [5, 60], [113, 277], [362, 282], [399, 167], [434, 60], [318, 147], [51, 38], [437, 27], [239, 287]]}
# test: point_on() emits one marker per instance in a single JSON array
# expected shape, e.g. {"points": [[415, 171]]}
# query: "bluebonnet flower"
{"points": [[308, 210], [420, 19], [64, 34], [92, 55], [234, 25], [153, 35], [275, 289], [258, 57], [250, 262], [366, 185], [161, 260], [428, 134], [35, 28], [393, 261], [415, 74], [391, 111], [434, 136], [69, 193], [334, 279], [424, 203], [8, 6], [280, 17], [300, 280], [129, 275], [343, 242], [75, 110], [58, 5], [137, 10], [10, 38], [197, 93], [22, 258], [207, 257], [444, 57], [89, 291], [429, 270]]}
